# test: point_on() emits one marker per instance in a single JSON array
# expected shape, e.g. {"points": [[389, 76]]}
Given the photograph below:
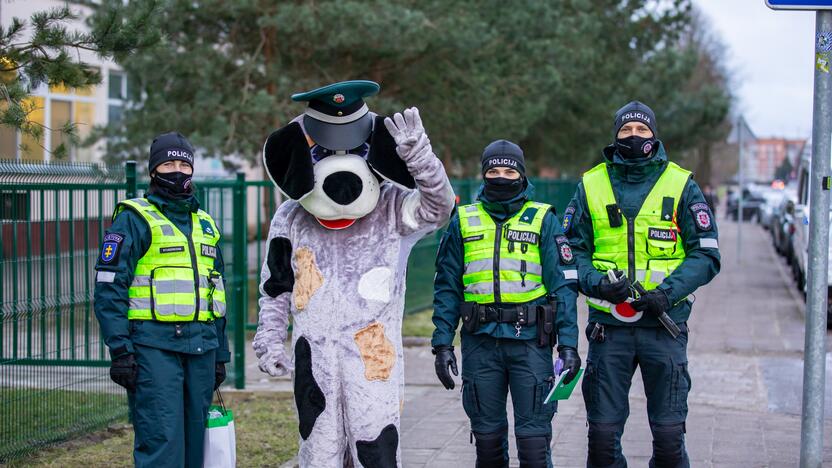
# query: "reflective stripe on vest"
{"points": [[519, 273], [165, 286], [657, 247]]}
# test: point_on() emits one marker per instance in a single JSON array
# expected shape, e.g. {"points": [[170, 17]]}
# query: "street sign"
{"points": [[799, 4]]}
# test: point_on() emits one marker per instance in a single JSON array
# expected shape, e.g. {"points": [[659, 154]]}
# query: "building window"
{"points": [[54, 107], [116, 97]]}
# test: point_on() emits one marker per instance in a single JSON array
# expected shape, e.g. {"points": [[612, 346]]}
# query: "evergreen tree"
{"points": [[44, 49], [546, 74]]}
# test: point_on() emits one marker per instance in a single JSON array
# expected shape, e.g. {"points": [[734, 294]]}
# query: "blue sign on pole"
{"points": [[799, 4]]}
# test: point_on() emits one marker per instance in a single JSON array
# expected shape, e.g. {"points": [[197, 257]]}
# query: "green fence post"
{"points": [[130, 174], [240, 268]]}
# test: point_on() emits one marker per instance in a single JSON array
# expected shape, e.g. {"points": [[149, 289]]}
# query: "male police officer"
{"points": [[505, 267], [160, 301], [645, 219]]}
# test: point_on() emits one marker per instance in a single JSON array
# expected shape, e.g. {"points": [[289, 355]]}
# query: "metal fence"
{"points": [[54, 380]]}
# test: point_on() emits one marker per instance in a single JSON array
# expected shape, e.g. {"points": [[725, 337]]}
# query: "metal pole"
{"points": [[240, 267], [814, 354], [741, 181]]}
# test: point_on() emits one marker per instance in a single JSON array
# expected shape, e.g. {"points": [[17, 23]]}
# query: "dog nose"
{"points": [[343, 187]]}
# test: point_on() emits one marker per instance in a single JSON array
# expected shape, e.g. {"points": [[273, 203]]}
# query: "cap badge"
{"points": [[338, 98]]}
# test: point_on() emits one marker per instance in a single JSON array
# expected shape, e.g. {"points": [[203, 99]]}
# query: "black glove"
{"points": [[444, 358], [219, 374], [571, 362], [617, 292], [123, 371], [655, 302]]}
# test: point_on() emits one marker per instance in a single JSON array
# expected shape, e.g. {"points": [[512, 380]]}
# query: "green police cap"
{"points": [[337, 117]]}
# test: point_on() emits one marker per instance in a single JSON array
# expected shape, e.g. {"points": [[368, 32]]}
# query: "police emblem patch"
{"points": [[564, 250], [702, 216], [110, 247]]}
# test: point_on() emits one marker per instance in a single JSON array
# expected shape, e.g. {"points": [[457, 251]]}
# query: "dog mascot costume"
{"points": [[363, 190]]}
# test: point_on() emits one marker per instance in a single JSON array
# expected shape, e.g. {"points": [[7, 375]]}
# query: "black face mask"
{"points": [[500, 189], [634, 147], [173, 184]]}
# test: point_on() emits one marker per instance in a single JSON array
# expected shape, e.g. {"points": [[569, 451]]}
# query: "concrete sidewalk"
{"points": [[745, 353]]}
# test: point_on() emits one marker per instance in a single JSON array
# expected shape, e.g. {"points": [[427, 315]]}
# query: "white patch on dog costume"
{"points": [[375, 285]]}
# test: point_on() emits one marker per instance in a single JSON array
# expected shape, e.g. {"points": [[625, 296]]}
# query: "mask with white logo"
{"points": [[635, 147]]}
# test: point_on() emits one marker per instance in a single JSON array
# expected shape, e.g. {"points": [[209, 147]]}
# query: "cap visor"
{"points": [[339, 137]]}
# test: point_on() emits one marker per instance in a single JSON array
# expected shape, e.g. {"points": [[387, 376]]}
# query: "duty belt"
{"points": [[474, 314], [522, 315]]}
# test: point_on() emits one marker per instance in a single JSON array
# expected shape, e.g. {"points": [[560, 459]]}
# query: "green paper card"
{"points": [[560, 391]]}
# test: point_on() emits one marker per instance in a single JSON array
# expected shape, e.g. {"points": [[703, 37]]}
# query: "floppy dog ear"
{"points": [[383, 158], [289, 162]]}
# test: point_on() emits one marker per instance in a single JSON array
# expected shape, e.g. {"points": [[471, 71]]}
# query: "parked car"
{"points": [[771, 200], [781, 224], [800, 239], [751, 201]]}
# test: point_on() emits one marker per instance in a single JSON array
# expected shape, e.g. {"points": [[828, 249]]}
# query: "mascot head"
{"points": [[333, 158]]}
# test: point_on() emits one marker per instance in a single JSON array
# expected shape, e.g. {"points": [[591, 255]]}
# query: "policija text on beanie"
{"points": [[166, 147], [170, 146], [635, 146], [503, 153]]}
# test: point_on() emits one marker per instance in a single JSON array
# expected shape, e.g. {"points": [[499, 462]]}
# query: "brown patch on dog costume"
{"points": [[308, 277], [377, 352]]}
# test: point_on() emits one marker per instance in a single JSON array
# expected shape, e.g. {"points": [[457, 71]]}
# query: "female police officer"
{"points": [[500, 265], [160, 301]]}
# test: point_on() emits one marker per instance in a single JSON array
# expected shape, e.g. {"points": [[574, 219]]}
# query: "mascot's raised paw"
{"points": [[362, 189], [408, 132]]}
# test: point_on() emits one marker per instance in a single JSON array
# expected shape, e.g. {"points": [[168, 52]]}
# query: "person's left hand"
{"points": [[654, 303], [408, 132], [571, 362], [219, 374]]}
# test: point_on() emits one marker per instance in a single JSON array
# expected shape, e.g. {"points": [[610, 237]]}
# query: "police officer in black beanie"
{"points": [[504, 267], [639, 218], [171, 166], [160, 302]]}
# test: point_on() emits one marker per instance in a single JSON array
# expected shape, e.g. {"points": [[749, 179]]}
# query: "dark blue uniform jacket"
{"points": [[448, 288], [111, 299], [632, 181]]}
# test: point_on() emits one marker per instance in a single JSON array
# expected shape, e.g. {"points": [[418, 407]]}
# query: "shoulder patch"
{"points": [[702, 217], [564, 250], [567, 217], [528, 216], [207, 229], [111, 247]]}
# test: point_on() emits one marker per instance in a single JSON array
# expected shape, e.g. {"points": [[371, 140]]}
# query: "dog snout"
{"points": [[343, 187]]}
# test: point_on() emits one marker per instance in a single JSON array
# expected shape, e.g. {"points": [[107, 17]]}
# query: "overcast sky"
{"points": [[771, 54]]}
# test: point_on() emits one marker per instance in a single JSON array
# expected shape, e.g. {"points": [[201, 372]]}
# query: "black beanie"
{"points": [[503, 153], [634, 111], [170, 147]]}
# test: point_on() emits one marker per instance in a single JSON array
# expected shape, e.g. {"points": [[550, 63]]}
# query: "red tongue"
{"points": [[336, 223], [625, 310]]}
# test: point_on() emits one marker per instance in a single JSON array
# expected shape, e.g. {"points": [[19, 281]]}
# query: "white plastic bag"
{"points": [[220, 441]]}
